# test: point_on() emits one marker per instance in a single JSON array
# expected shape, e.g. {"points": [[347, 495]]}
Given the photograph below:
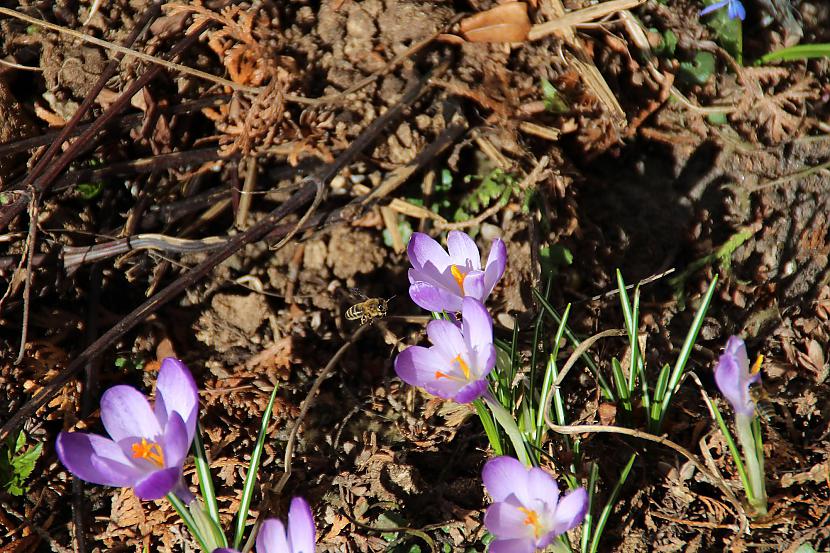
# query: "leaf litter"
{"points": [[668, 188]]}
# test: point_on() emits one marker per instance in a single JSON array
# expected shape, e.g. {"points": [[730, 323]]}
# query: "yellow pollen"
{"points": [[756, 366], [465, 368], [458, 276], [150, 451], [532, 519]]}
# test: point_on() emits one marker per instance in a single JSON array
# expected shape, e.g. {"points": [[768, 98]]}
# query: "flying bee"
{"points": [[367, 310], [763, 403], [759, 395]]}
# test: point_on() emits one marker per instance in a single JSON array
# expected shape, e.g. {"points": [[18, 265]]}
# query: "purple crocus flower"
{"points": [[439, 280], [147, 446], [457, 364], [734, 8], [273, 538], [734, 377], [526, 513], [299, 537]]}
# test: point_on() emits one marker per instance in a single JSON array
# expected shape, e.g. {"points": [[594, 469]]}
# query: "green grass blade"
{"points": [[759, 442], [733, 450], [659, 394], [514, 366], [537, 329], [551, 372], [253, 469], [609, 506], [490, 428], [607, 390], [625, 303], [619, 382], [636, 360], [686, 351], [631, 317], [206, 482], [588, 521], [188, 520], [799, 52]]}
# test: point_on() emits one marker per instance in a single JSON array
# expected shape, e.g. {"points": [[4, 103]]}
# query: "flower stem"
{"points": [[754, 465], [188, 519], [510, 427]]}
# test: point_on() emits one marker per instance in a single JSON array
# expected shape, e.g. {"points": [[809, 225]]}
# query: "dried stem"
{"points": [[258, 231]]}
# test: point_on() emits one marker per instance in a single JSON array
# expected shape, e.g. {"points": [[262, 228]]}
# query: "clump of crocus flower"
{"points": [[147, 445], [734, 8], [734, 378], [274, 537], [439, 280], [457, 364], [461, 356], [527, 513]]}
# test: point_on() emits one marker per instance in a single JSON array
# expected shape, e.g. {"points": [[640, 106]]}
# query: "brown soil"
{"points": [[661, 188]]}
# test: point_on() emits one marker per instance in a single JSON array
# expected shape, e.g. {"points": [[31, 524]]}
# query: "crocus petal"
{"points": [[447, 341], [416, 365], [126, 414], [506, 521], [176, 391], [96, 459], [474, 285], [570, 511], [476, 324], [175, 441], [463, 249], [500, 476], [301, 532], [485, 359], [424, 251], [271, 537], [512, 546], [496, 262], [733, 384], [182, 491], [736, 10], [736, 347], [158, 483], [541, 486], [444, 281], [713, 7], [225, 550], [432, 298], [469, 392]]}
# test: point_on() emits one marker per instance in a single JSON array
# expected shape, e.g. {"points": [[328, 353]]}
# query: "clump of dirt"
{"points": [[70, 71], [232, 321], [352, 252], [14, 125]]}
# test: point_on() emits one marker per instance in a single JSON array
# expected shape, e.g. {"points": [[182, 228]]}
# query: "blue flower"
{"points": [[734, 8]]}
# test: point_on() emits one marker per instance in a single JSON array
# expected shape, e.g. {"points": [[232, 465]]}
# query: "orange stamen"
{"points": [[756, 366], [465, 368], [439, 374], [458, 276], [532, 519], [150, 451]]}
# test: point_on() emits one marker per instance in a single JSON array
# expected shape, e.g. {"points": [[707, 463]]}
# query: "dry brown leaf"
{"points": [[505, 23]]}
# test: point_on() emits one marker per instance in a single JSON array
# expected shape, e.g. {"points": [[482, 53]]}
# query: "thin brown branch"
{"points": [[128, 52], [307, 402], [662, 440], [583, 347], [85, 141], [257, 232], [29, 254]]}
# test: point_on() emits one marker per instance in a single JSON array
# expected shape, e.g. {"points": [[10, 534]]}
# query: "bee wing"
{"points": [[358, 293]]}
